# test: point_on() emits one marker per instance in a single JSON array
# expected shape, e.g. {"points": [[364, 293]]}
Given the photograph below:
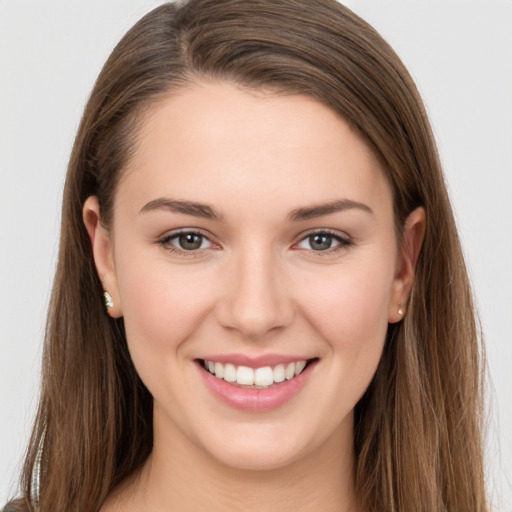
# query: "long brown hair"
{"points": [[418, 426]]}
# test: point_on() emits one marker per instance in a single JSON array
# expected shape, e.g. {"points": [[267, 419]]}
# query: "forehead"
{"points": [[216, 142]]}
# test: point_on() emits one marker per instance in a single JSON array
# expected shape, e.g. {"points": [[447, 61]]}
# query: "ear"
{"points": [[414, 232], [103, 253]]}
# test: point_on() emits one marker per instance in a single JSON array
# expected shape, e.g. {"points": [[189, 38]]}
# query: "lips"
{"points": [[255, 385]]}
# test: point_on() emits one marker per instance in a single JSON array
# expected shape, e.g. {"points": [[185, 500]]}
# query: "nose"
{"points": [[255, 300]]}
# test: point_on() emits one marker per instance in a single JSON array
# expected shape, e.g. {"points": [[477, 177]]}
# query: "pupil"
{"points": [[320, 242], [190, 241]]}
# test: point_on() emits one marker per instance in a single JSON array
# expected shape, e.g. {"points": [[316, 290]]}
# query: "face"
{"points": [[252, 240]]}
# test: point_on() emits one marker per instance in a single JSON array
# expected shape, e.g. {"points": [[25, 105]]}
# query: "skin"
{"points": [[255, 286]]}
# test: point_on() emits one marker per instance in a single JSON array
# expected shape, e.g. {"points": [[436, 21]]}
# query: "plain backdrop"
{"points": [[460, 54]]}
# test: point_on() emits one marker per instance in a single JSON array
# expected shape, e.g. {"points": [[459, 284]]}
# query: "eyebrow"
{"points": [[187, 207], [319, 210], [209, 212]]}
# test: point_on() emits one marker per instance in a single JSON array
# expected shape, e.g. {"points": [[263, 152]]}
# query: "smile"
{"points": [[253, 386], [255, 378]]}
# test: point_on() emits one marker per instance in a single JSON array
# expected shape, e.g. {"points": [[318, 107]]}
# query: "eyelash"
{"points": [[165, 242], [343, 242]]}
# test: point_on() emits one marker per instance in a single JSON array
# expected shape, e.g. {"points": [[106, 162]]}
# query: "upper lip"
{"points": [[255, 361]]}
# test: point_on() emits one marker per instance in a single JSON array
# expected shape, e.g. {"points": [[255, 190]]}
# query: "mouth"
{"points": [[255, 389], [264, 377]]}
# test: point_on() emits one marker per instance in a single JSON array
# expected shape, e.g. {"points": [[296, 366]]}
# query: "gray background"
{"points": [[459, 52]]}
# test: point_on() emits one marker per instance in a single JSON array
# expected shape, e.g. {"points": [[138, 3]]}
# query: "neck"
{"points": [[180, 476]]}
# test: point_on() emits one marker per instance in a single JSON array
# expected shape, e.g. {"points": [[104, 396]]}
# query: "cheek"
{"points": [[161, 308], [350, 307], [350, 314]]}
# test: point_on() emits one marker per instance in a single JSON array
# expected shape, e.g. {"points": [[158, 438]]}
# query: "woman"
{"points": [[255, 193]]}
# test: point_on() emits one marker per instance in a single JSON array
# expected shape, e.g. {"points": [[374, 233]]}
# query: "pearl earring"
{"points": [[109, 303]]}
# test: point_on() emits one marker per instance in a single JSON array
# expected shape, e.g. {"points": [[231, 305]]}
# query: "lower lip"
{"points": [[256, 400]]}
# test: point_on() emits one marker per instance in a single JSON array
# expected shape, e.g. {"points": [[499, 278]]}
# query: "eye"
{"points": [[190, 241], [323, 241], [185, 241]]}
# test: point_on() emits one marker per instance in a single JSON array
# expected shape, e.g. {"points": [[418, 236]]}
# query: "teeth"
{"points": [[289, 373], [219, 370], [279, 373], [299, 367], [245, 376], [264, 376], [259, 377], [229, 373]]}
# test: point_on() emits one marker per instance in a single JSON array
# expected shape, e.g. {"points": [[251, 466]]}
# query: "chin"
{"points": [[263, 447], [258, 457]]}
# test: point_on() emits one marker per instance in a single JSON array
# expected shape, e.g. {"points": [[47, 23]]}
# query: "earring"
{"points": [[400, 310], [109, 303]]}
